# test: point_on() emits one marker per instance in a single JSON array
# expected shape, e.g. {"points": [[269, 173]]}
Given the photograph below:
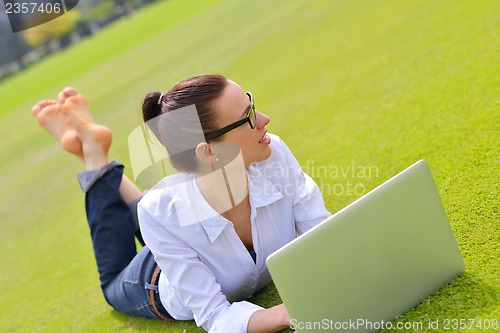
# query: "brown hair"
{"points": [[201, 91]]}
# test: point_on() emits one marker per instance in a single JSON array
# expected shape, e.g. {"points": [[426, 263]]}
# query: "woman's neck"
{"points": [[225, 187]]}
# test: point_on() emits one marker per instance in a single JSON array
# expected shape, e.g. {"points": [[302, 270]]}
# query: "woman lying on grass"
{"points": [[239, 196]]}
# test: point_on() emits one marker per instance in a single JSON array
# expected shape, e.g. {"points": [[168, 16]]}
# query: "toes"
{"points": [[35, 110], [46, 102], [66, 93], [69, 91], [62, 97]]}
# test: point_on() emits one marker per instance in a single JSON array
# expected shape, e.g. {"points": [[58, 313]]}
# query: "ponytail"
{"points": [[201, 91], [150, 107]]}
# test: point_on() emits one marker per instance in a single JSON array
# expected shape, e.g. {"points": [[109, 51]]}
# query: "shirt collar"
{"points": [[214, 226], [261, 190]]}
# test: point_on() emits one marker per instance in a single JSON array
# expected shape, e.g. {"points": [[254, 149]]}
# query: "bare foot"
{"points": [[95, 139], [49, 115]]}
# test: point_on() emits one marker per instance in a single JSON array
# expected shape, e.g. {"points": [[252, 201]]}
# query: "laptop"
{"points": [[370, 262]]}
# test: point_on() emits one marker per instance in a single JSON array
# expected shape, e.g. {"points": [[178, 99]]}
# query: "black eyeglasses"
{"points": [[251, 118]]}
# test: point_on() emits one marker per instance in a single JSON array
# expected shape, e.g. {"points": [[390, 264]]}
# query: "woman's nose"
{"points": [[262, 120]]}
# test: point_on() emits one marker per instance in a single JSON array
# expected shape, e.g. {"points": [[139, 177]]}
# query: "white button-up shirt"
{"points": [[207, 272]]}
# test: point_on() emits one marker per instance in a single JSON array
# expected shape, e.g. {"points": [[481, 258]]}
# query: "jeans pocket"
{"points": [[137, 272]]}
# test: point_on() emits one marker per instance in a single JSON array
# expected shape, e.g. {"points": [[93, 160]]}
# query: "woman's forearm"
{"points": [[269, 320]]}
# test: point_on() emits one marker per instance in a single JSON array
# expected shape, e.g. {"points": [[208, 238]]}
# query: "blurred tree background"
{"points": [[18, 50]]}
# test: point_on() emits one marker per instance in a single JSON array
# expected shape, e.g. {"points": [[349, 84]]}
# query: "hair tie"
{"points": [[159, 99]]}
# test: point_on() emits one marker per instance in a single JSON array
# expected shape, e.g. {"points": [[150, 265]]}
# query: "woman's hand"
{"points": [[269, 320]]}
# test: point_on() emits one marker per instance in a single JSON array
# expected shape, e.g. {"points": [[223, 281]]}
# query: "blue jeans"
{"points": [[125, 274]]}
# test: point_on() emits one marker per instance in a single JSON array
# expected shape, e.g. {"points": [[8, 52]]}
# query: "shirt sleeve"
{"points": [[308, 204], [192, 281]]}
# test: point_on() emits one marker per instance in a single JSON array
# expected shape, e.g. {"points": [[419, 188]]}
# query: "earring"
{"points": [[216, 159]]}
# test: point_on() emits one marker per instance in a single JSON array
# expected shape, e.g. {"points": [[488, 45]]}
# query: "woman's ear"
{"points": [[204, 153]]}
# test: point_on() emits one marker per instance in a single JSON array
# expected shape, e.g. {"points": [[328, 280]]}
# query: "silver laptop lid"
{"points": [[371, 261]]}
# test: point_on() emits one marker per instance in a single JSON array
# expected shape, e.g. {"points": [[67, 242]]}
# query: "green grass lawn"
{"points": [[370, 84]]}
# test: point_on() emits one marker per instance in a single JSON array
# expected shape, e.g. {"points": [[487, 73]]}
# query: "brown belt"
{"points": [[154, 281]]}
